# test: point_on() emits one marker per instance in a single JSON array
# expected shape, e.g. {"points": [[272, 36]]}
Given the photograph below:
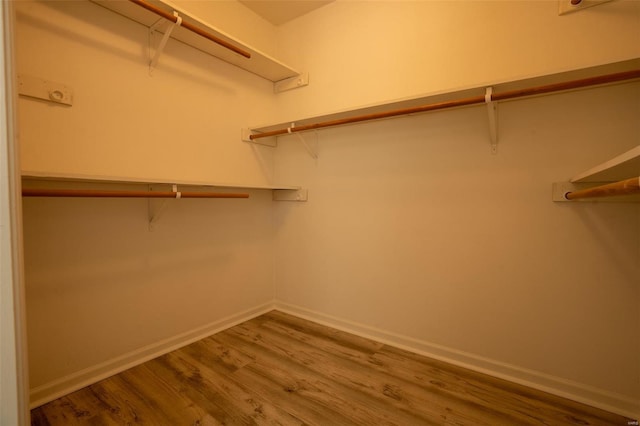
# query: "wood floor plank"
{"points": [[91, 403], [278, 369], [216, 355], [166, 398], [61, 411], [316, 399], [115, 397], [471, 388], [529, 405], [357, 376], [238, 405], [306, 328]]}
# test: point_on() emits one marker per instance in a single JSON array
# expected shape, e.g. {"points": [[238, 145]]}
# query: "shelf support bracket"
{"points": [[291, 83], [492, 111], [153, 60], [155, 208], [312, 150], [290, 194]]}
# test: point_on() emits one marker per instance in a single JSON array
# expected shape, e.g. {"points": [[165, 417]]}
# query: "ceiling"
{"points": [[280, 11]]}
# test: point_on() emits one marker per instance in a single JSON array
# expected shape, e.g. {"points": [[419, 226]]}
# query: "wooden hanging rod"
{"points": [[623, 187], [191, 27], [513, 94], [125, 194]]}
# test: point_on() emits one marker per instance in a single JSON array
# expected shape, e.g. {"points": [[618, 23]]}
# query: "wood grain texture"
{"points": [[278, 369]]}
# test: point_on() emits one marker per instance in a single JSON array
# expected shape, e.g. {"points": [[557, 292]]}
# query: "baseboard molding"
{"points": [[579, 392], [555, 385], [65, 385]]}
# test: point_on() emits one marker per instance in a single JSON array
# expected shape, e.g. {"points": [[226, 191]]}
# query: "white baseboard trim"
{"points": [[612, 402], [80, 379], [579, 392]]}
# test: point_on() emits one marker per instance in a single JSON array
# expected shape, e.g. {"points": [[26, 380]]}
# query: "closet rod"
{"points": [[623, 187], [191, 27], [538, 90], [125, 194]]}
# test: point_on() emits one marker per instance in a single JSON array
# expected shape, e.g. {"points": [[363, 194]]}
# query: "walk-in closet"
{"points": [[320, 212]]}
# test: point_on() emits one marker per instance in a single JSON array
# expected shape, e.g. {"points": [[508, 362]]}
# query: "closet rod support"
{"points": [[312, 150], [246, 134], [492, 111], [153, 60], [291, 83], [155, 209]]}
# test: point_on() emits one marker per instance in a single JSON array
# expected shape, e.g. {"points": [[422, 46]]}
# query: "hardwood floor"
{"points": [[279, 369]]}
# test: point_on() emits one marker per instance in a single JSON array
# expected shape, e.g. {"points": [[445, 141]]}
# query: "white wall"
{"points": [[102, 290], [415, 233]]}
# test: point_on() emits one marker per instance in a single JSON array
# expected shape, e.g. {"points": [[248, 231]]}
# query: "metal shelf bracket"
{"points": [[291, 83], [310, 146], [155, 208], [312, 149], [492, 114], [153, 59], [290, 194]]}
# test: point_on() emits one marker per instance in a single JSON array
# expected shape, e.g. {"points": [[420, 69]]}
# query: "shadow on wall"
{"points": [[601, 221], [112, 243]]}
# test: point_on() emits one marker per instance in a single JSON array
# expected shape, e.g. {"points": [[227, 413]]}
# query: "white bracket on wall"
{"points": [[291, 83], [153, 59], [290, 194], [155, 208], [492, 111], [559, 189], [39, 88], [312, 150], [311, 147]]}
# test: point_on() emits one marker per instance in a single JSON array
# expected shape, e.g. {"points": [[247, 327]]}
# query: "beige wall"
{"points": [[367, 52], [415, 232], [100, 284], [413, 227]]}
